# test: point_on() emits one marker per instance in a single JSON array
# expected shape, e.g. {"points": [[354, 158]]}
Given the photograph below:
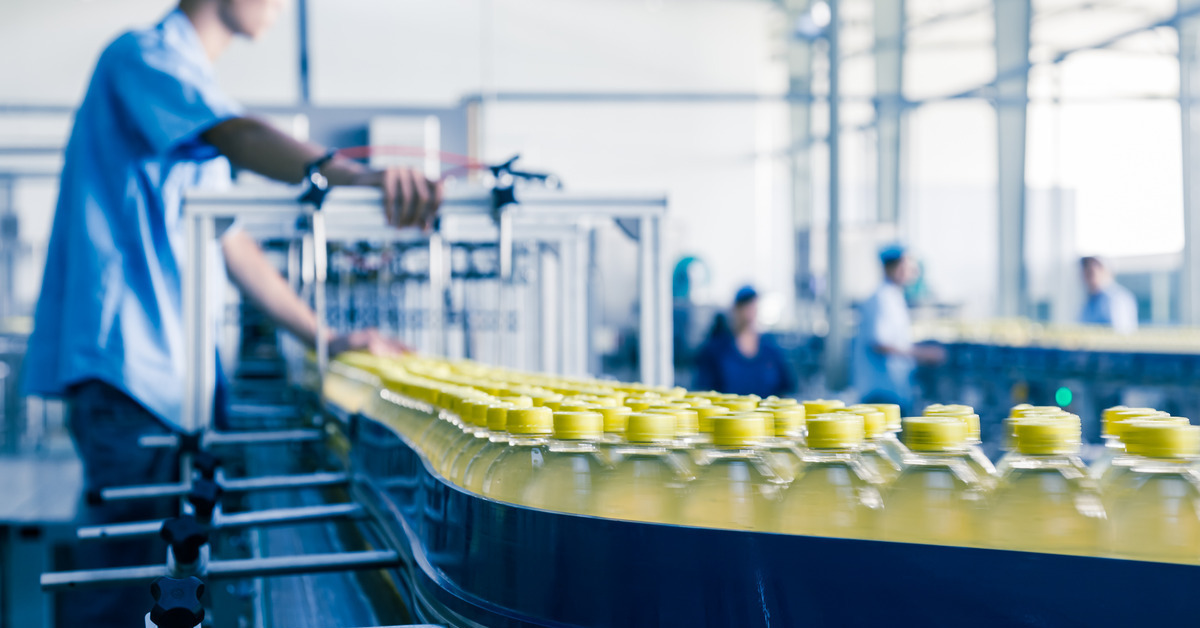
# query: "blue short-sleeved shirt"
{"points": [[111, 302], [1114, 307]]}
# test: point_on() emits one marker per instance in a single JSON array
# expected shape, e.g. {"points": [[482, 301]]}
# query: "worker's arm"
{"points": [[258, 279], [409, 199]]}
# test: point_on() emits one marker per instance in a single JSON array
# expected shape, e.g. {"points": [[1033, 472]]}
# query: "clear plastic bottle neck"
{"points": [[573, 446]]}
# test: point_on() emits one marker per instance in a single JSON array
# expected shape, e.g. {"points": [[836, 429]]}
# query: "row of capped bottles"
{"points": [[666, 455]]}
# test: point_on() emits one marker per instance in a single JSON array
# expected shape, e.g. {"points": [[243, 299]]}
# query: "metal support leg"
{"points": [[835, 342], [889, 104], [1012, 92], [1189, 106]]}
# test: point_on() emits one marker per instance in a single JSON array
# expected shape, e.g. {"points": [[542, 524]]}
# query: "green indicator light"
{"points": [[1063, 397]]}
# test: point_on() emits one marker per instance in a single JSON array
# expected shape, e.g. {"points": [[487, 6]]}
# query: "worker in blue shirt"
{"points": [[1108, 302], [108, 333], [884, 353], [736, 358]]}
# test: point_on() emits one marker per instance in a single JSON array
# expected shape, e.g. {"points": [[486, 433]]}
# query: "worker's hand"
{"points": [[369, 340], [929, 353], [409, 199]]}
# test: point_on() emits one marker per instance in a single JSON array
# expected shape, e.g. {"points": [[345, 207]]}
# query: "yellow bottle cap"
{"points": [[934, 433], [577, 406], [615, 418], [1162, 439], [737, 404], [541, 398], [530, 421], [1114, 422], [638, 404], [650, 427], [938, 409], [1037, 436], [497, 417], [698, 402], [786, 420], [687, 421], [477, 412], [705, 416], [874, 421], [603, 401], [891, 413], [835, 431], [578, 425], [738, 430], [822, 406], [1025, 409], [520, 401], [778, 402]]}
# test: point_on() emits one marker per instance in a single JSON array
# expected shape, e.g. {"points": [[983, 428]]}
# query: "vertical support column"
{"points": [[439, 281], [1012, 94], [655, 349], [800, 69], [889, 104], [835, 342], [199, 339], [1188, 25], [302, 50]]}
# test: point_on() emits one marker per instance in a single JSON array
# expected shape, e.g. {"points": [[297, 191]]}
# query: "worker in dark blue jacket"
{"points": [[737, 358]]}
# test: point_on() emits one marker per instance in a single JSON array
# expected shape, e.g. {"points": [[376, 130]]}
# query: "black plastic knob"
{"points": [[204, 497], [186, 536], [206, 464], [177, 602]]}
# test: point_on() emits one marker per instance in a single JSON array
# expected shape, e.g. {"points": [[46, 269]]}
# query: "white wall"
{"points": [[51, 46]]}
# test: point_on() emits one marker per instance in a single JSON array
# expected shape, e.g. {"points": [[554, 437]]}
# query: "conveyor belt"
{"points": [[476, 561]]}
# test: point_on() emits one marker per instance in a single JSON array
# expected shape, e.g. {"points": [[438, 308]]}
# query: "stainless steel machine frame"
{"points": [[354, 215]]}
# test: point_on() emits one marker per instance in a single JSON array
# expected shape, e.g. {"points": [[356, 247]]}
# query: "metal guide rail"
{"points": [[508, 285], [470, 560]]}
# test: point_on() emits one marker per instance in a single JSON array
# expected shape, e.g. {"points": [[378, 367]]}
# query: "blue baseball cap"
{"points": [[891, 253], [745, 294]]}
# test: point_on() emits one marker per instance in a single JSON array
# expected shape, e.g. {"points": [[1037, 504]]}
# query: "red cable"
{"points": [[463, 163]]}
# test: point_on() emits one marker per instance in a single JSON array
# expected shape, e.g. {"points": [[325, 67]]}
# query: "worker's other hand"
{"points": [[929, 353], [369, 340], [409, 199]]}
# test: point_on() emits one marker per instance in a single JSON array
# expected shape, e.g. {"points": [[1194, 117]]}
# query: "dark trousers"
{"points": [[105, 424]]}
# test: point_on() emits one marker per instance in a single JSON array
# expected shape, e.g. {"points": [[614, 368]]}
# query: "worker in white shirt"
{"points": [[884, 354]]}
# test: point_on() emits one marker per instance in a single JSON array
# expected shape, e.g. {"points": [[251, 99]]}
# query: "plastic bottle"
{"points": [[836, 493], [1109, 430], [1125, 430], [474, 469], [874, 430], [937, 498], [735, 487], [565, 477], [475, 434], [615, 420], [785, 445], [1018, 414], [888, 442], [1157, 516], [1045, 502], [648, 480], [979, 461], [529, 431]]}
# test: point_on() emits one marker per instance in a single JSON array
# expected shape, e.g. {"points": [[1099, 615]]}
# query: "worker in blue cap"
{"points": [[884, 354], [737, 358], [109, 330]]}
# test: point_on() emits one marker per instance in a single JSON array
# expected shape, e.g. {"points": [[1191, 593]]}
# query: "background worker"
{"points": [[108, 331], [737, 358], [1108, 303], [884, 354]]}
